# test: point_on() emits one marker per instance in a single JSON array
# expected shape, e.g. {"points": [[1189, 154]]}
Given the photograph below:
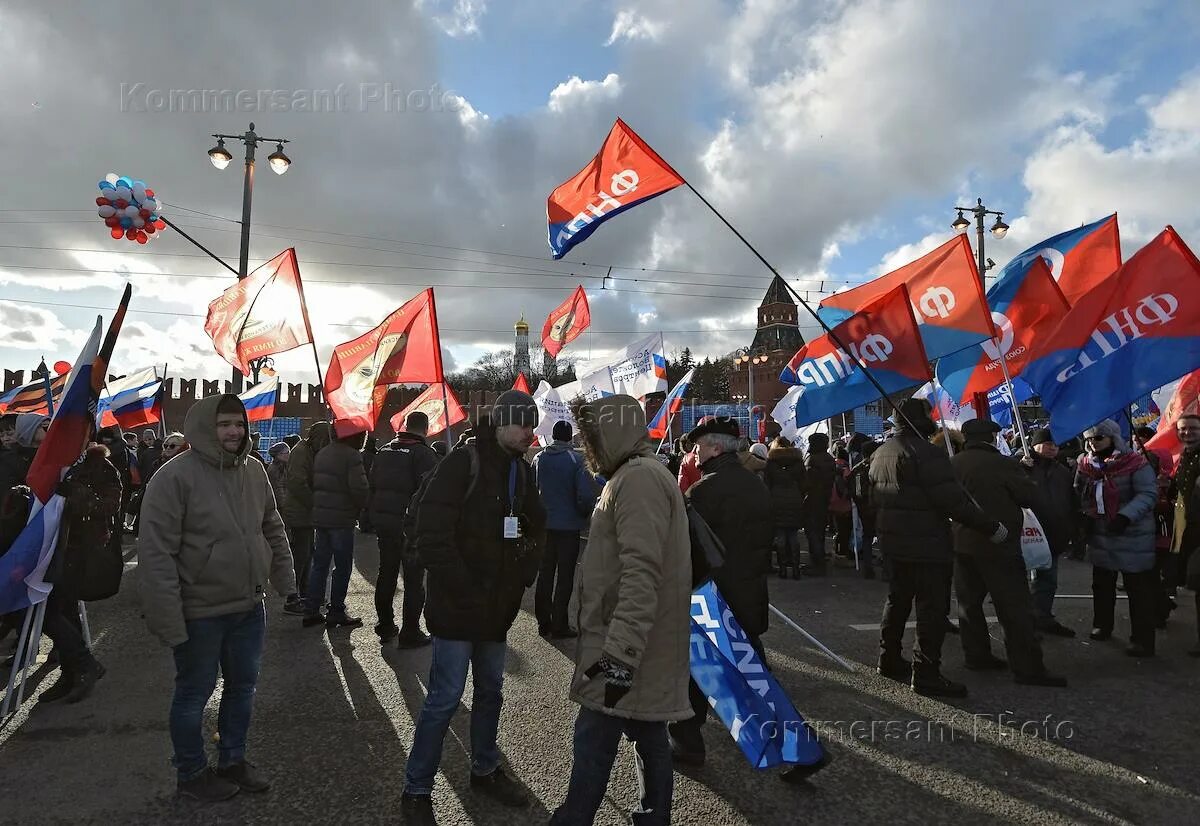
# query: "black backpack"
{"points": [[409, 552]]}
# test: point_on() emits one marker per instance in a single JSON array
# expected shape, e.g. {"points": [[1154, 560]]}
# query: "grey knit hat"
{"points": [[514, 407]]}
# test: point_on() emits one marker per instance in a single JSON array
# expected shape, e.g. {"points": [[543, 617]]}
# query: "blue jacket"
{"points": [[568, 490]]}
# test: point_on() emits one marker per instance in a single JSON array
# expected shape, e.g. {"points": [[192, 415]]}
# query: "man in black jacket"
{"points": [[480, 530], [916, 495], [737, 506], [395, 475], [820, 470], [1056, 485], [983, 566]]}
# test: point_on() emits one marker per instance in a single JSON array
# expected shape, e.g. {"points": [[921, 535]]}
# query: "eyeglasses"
{"points": [[172, 446]]}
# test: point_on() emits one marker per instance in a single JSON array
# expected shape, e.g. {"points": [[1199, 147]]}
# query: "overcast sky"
{"points": [[836, 135]]}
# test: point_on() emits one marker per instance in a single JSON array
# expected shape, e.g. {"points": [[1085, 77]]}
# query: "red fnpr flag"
{"points": [[433, 404], [404, 348], [261, 315], [1185, 400], [566, 322], [522, 384], [624, 173]]}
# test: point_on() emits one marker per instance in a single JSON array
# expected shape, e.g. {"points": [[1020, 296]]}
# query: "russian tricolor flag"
{"points": [[674, 401], [132, 401], [260, 400]]}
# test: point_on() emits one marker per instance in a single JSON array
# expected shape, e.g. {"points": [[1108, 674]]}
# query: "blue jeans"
{"points": [[1043, 588], [336, 545], [597, 737], [232, 643], [447, 680]]}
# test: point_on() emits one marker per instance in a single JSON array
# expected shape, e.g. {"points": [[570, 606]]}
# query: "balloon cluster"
{"points": [[128, 208]]}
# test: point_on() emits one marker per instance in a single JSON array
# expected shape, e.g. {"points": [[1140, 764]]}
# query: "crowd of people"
{"points": [[596, 516]]}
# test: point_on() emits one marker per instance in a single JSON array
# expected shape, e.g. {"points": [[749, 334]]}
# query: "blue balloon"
{"points": [[126, 223], [106, 185], [123, 181], [153, 216]]}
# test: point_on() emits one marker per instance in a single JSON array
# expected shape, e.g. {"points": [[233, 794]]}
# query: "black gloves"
{"points": [[618, 679], [1118, 524]]}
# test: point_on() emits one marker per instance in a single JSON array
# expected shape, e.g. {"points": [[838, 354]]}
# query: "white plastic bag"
{"points": [[1034, 545]]}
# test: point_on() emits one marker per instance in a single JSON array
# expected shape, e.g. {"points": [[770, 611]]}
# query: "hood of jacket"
{"points": [[750, 461], [559, 447], [785, 456], [320, 434], [404, 439], [27, 425], [200, 430], [615, 430]]}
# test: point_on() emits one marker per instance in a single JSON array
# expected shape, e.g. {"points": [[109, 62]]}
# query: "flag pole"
{"points": [[938, 392], [828, 330], [1012, 398], [49, 394], [162, 391]]}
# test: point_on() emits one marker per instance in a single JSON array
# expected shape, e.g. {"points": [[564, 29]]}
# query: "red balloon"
{"points": [[149, 228], [116, 232], [62, 367], [160, 223], [131, 233], [142, 238], [112, 221], [120, 203], [145, 213], [149, 193], [102, 201]]}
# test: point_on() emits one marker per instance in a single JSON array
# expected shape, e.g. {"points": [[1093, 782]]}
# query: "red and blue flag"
{"points": [[883, 335], [1134, 332], [1027, 305], [1079, 259], [624, 173], [947, 298], [674, 401]]}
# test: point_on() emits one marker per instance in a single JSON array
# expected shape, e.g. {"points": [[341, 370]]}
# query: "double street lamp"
{"points": [[962, 224], [279, 162], [749, 357]]}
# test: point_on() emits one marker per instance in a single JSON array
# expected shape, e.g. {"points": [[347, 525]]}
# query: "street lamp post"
{"points": [[221, 157], [999, 230], [749, 357]]}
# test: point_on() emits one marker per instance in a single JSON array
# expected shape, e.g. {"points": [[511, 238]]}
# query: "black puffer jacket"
{"points": [[820, 471], [340, 487], [395, 474], [476, 577], [1001, 488], [785, 479], [916, 495], [1060, 516], [87, 564], [736, 505]]}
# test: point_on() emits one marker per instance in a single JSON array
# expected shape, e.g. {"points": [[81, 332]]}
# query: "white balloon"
{"points": [[123, 193], [112, 177], [139, 193], [139, 222], [150, 204], [131, 211], [107, 211]]}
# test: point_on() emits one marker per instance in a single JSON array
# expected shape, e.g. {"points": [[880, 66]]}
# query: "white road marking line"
{"points": [[874, 626]]}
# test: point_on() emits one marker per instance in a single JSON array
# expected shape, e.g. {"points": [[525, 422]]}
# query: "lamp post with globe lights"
{"points": [[749, 357]]}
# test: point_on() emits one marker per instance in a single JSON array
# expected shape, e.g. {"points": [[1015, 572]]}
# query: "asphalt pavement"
{"points": [[335, 714]]}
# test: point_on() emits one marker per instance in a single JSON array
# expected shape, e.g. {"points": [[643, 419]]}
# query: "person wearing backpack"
{"points": [[395, 475], [568, 494], [480, 531]]}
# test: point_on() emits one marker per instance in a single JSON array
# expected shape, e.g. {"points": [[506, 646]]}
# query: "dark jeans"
{"points": [[597, 737], [1004, 577], [814, 529], [62, 625], [302, 547], [866, 518], [844, 534], [336, 545], [1142, 591], [447, 679], [233, 644], [787, 541], [553, 593], [391, 564], [927, 584], [1042, 589]]}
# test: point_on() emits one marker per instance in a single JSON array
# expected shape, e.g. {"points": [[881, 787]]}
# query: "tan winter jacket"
{"points": [[210, 535], [634, 581]]}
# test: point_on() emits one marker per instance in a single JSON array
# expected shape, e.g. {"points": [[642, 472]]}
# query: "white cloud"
{"points": [[629, 25], [29, 327], [575, 92], [461, 19]]}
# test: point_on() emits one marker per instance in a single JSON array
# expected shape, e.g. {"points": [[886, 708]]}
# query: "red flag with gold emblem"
{"points": [[433, 404], [566, 322], [404, 348]]}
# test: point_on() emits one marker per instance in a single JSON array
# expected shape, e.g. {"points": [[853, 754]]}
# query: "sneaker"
{"points": [[937, 686], [501, 787], [340, 619], [992, 663], [1044, 679], [387, 632], [1057, 629], [85, 681], [207, 787], [313, 619], [59, 691], [1136, 650], [899, 669], [564, 634], [415, 638], [245, 776], [294, 605], [417, 810], [1100, 635]]}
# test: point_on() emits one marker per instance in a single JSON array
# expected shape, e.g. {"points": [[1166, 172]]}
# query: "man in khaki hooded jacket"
{"points": [[634, 592], [211, 539]]}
